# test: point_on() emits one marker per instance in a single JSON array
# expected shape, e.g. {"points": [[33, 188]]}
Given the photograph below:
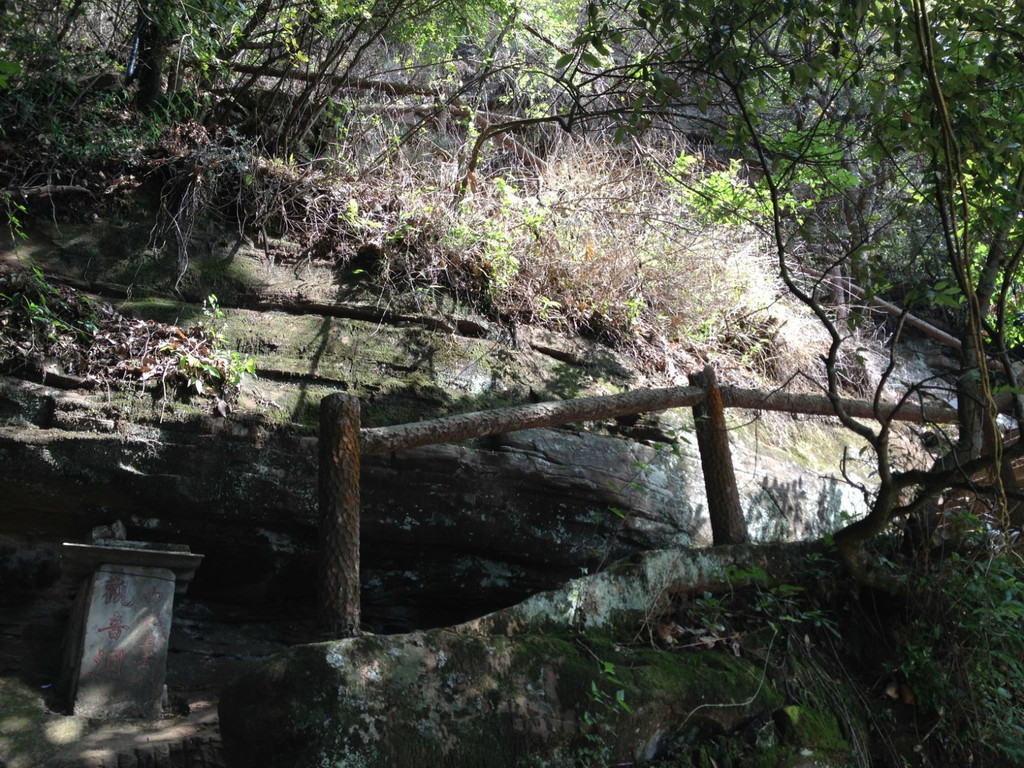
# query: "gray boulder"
{"points": [[556, 680]]}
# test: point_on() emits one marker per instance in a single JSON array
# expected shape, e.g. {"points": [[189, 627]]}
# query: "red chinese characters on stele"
{"points": [[137, 648]]}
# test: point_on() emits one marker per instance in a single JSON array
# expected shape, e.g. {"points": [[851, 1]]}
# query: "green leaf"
{"points": [[8, 69], [620, 698], [801, 74]]}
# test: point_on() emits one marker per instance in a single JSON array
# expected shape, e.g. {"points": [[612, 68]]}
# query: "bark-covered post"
{"points": [[727, 524], [338, 596]]}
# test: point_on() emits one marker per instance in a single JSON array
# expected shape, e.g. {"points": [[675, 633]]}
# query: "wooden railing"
{"points": [[342, 442]]}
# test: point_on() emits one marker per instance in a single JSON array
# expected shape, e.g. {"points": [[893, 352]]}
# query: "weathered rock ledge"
{"points": [[561, 678]]}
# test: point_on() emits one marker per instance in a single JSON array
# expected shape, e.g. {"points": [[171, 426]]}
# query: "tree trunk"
{"points": [[147, 62], [339, 514], [975, 436], [727, 524]]}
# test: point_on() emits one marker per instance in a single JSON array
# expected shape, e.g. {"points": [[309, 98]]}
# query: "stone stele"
{"points": [[122, 659]]}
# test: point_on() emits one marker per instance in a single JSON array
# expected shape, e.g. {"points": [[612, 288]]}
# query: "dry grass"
{"points": [[600, 244]]}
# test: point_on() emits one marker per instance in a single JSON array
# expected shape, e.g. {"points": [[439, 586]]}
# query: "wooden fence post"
{"points": [[338, 596], [727, 524]]}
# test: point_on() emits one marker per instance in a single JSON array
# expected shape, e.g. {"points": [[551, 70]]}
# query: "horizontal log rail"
{"points": [[453, 429]]}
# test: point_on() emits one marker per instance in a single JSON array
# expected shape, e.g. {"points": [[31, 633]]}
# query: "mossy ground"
{"points": [[810, 728], [22, 739]]}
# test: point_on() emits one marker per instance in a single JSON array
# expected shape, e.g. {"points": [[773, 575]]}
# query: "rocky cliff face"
{"points": [[449, 532]]}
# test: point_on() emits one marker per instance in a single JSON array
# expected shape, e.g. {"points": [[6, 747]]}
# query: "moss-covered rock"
{"points": [[446, 698], [809, 728]]}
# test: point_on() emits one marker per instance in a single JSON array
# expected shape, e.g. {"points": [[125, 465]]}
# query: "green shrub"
{"points": [[964, 660]]}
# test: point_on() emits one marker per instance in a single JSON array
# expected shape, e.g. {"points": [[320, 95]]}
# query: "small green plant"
{"points": [[725, 196], [598, 729], [195, 370], [787, 604], [711, 611], [753, 573], [203, 358], [13, 211], [721, 196], [49, 313], [499, 239]]}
